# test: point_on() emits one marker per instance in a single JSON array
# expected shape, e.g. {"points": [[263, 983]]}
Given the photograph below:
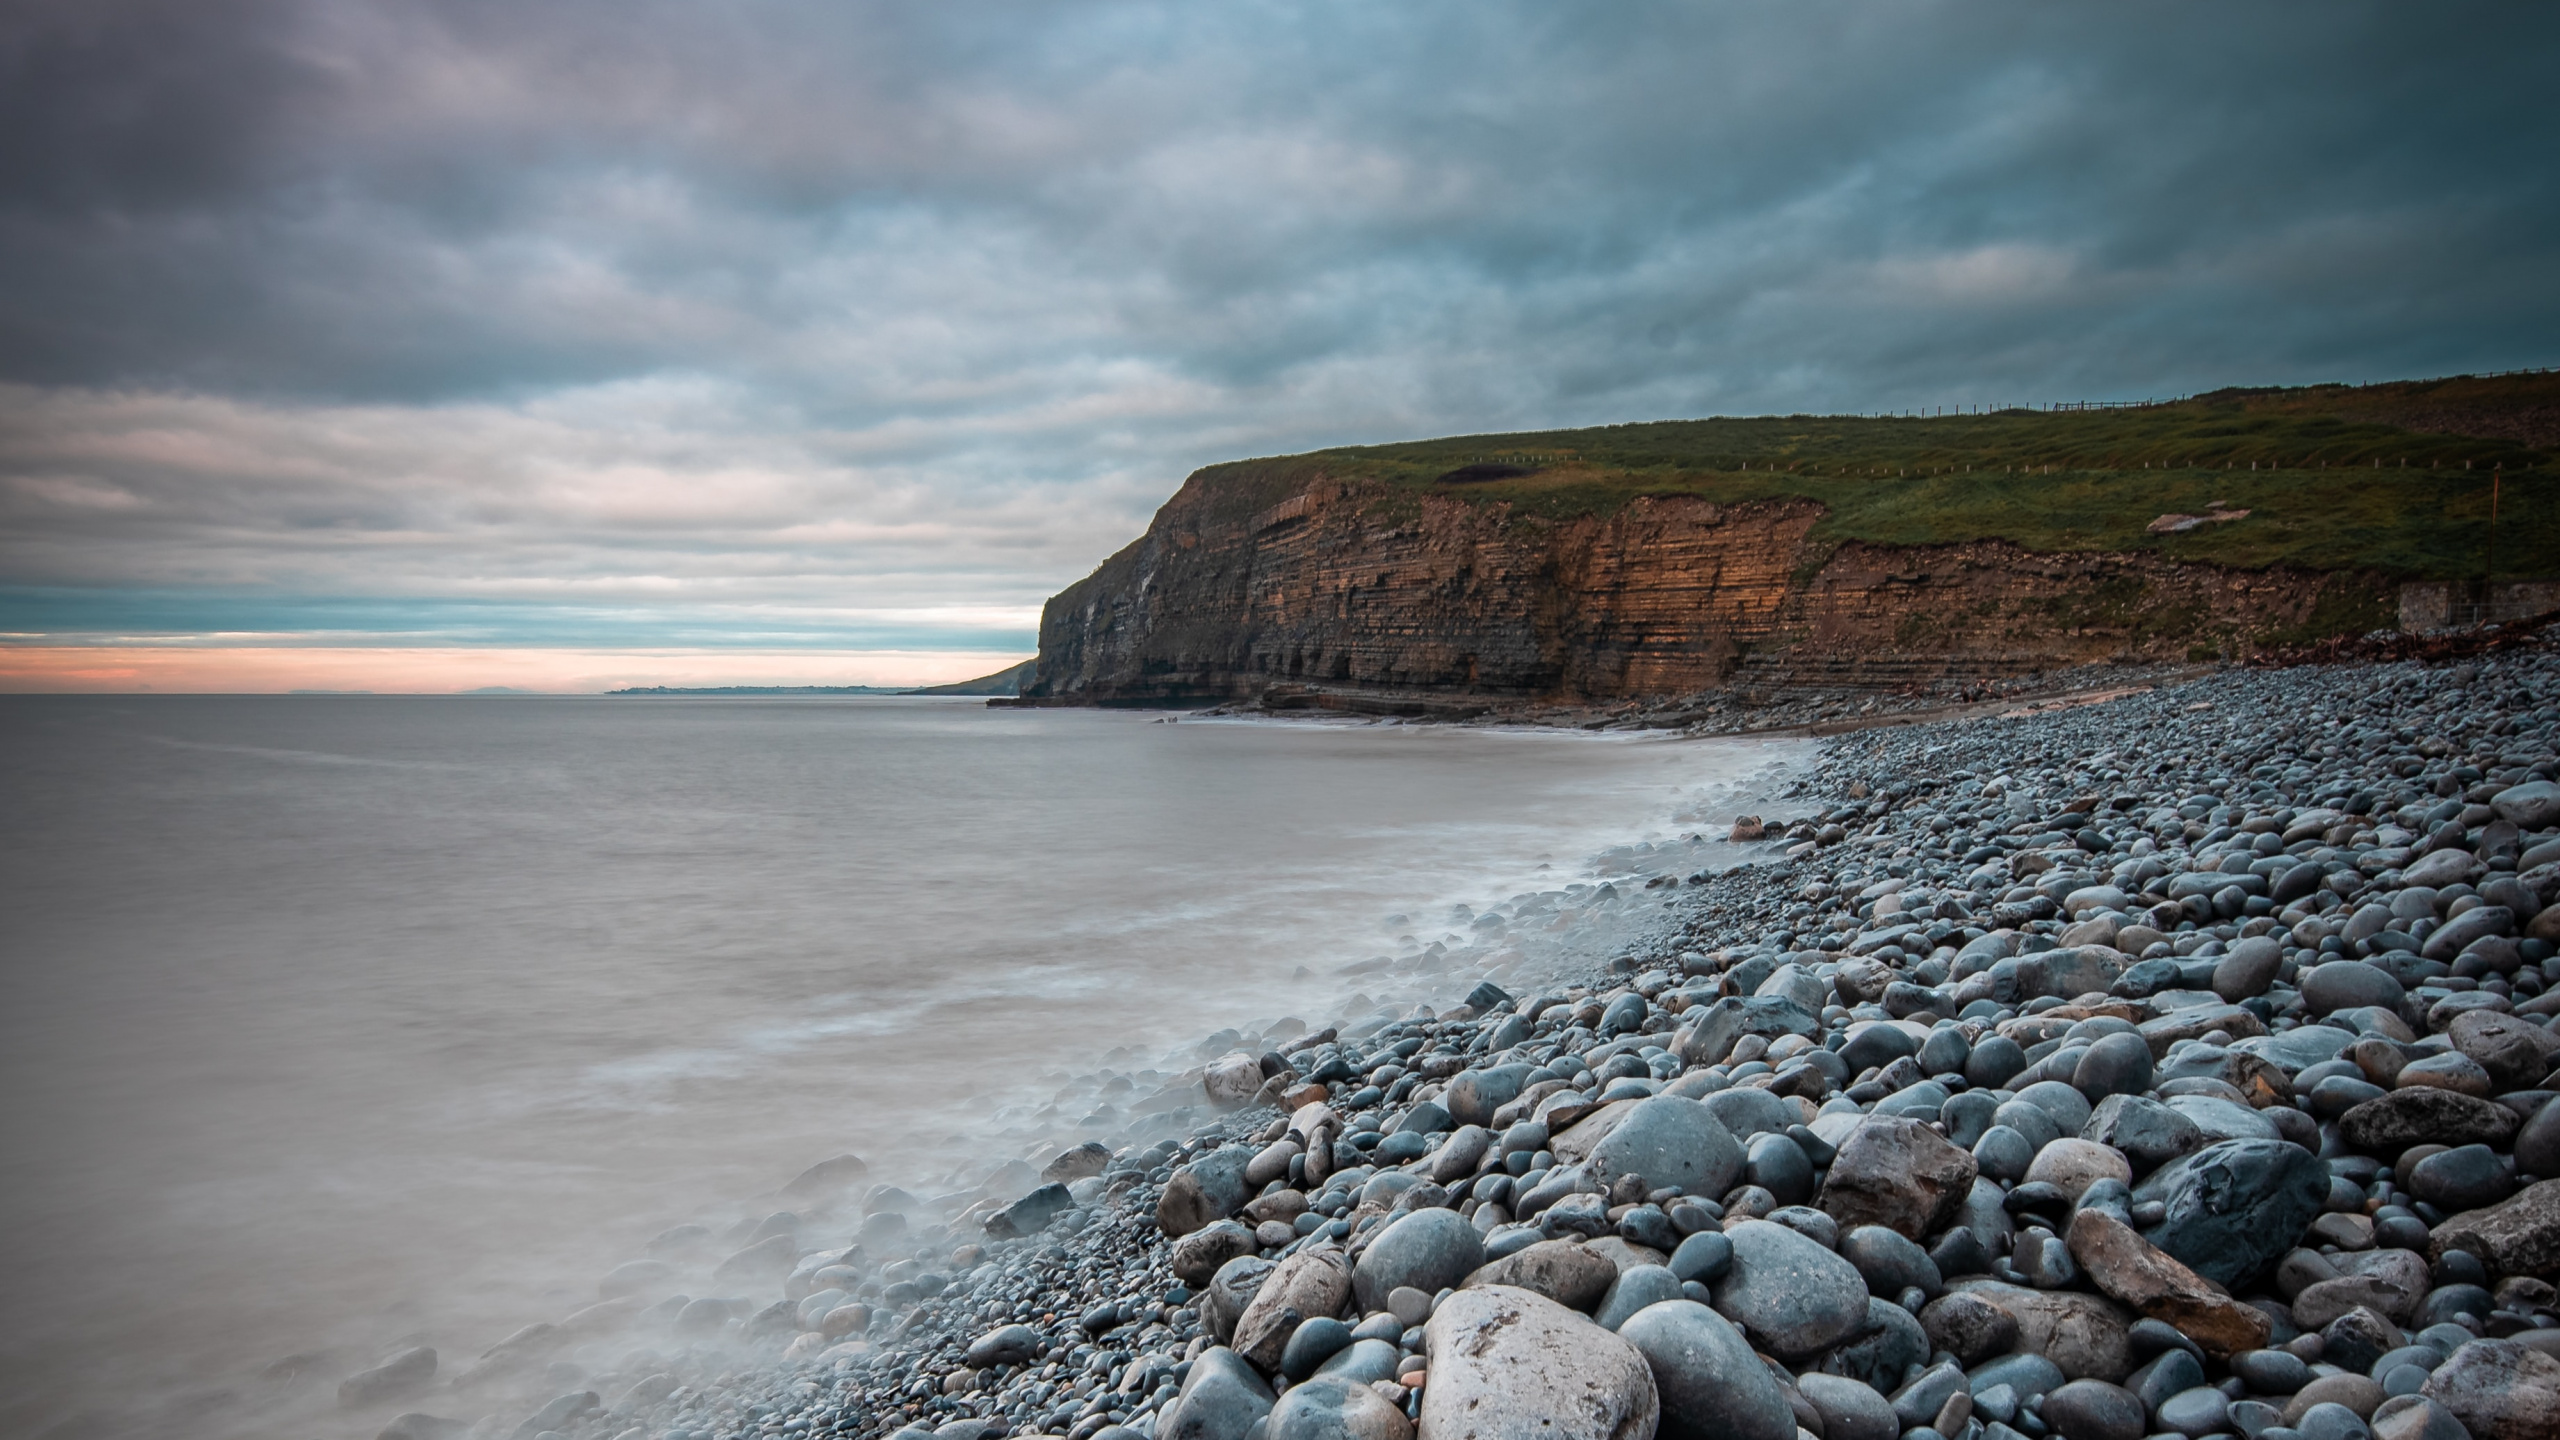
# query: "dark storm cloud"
{"points": [[980, 278]]}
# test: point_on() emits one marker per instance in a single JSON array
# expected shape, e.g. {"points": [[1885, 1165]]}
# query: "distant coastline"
{"points": [[1007, 681]]}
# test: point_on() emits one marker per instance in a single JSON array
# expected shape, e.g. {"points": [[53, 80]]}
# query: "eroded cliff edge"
{"points": [[1764, 560], [1318, 599]]}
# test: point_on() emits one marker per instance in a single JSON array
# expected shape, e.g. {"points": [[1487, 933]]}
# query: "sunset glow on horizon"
{"points": [[393, 670]]}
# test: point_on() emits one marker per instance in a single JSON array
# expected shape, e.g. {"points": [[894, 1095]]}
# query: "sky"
{"points": [[441, 344]]}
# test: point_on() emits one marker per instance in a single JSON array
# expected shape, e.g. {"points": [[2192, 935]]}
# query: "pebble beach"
{"points": [[2172, 1065]]}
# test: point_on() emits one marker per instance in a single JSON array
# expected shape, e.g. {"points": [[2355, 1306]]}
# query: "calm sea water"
{"points": [[331, 1023]]}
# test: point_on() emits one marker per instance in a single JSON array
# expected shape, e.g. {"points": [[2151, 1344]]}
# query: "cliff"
{"points": [[1595, 566]]}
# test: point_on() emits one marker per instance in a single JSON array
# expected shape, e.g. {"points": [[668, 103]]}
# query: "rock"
{"points": [[1474, 1095], [2094, 1410], [1883, 1349], [2355, 1341], [2533, 805], [1897, 1173], [403, 1374], [1230, 1293], [1307, 1284], [1004, 1345], [2247, 969], [2465, 1177], [2520, 1236], [2462, 931], [1428, 1250], [2084, 1336], [1221, 1399], [1701, 1257], [767, 1259], [2515, 1052], [2196, 1412], [1507, 1364], [1920, 1401], [2148, 1133], [2439, 869], [1746, 1112], [1670, 1141], [1458, 1156], [1363, 1360], [2234, 1207], [1635, 1288], [2348, 984], [2425, 1115], [1332, 1408], [2120, 1262], [2072, 1166], [2118, 1064], [1201, 1193], [1317, 1339], [1710, 1386], [1793, 1297], [1889, 1262], [1850, 1409], [2499, 1390], [1559, 1270], [2415, 1417], [1968, 1327], [1081, 1162], [2537, 1144], [2327, 1300], [1710, 1038], [1198, 1255]]}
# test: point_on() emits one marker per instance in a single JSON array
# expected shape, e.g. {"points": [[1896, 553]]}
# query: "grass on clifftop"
{"points": [[2334, 477]]}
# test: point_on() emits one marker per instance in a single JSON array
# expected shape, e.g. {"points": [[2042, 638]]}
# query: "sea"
{"points": [[335, 1024]]}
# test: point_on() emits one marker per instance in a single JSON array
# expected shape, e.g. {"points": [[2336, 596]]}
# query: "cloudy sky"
{"points": [[430, 344]]}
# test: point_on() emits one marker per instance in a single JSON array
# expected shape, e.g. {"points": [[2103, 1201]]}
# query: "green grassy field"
{"points": [[2392, 477]]}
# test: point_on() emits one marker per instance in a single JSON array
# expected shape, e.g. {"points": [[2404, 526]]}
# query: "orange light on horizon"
{"points": [[246, 670]]}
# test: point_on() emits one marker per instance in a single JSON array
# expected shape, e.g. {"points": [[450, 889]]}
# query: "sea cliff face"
{"points": [[1291, 587]]}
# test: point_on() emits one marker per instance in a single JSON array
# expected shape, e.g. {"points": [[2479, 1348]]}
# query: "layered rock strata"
{"points": [[1340, 594]]}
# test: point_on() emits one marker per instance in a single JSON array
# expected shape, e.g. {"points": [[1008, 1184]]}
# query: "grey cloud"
{"points": [[987, 279]]}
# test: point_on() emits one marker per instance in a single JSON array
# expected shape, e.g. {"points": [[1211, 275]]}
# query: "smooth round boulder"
{"points": [[2072, 1166], [1890, 1262], [1711, 1386], [1637, 1286], [1790, 1294], [1429, 1250], [1332, 1408], [2196, 1412], [1850, 1409], [2118, 1064], [1311, 1344], [2094, 1410], [2247, 969], [2347, 985], [1669, 1141], [2463, 1178], [1221, 1399], [2003, 1154], [1702, 1257], [1574, 1276], [1507, 1364]]}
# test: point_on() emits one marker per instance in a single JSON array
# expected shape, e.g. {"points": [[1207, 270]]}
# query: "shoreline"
{"points": [[1122, 1288]]}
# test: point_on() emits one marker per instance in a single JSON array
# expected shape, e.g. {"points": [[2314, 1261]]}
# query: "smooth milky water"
{"points": [[336, 1023]]}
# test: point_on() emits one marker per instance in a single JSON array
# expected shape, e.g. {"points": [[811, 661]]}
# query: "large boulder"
{"points": [[2086, 1337], [1708, 1039], [1428, 1250], [2127, 1267], [1205, 1191], [1307, 1285], [2235, 1207], [2500, 1390], [1711, 1386], [1669, 1141], [1574, 1276], [1507, 1364], [1330, 1407], [1897, 1173], [2517, 1236], [1221, 1399], [1475, 1094], [2426, 1115], [1794, 1297]]}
